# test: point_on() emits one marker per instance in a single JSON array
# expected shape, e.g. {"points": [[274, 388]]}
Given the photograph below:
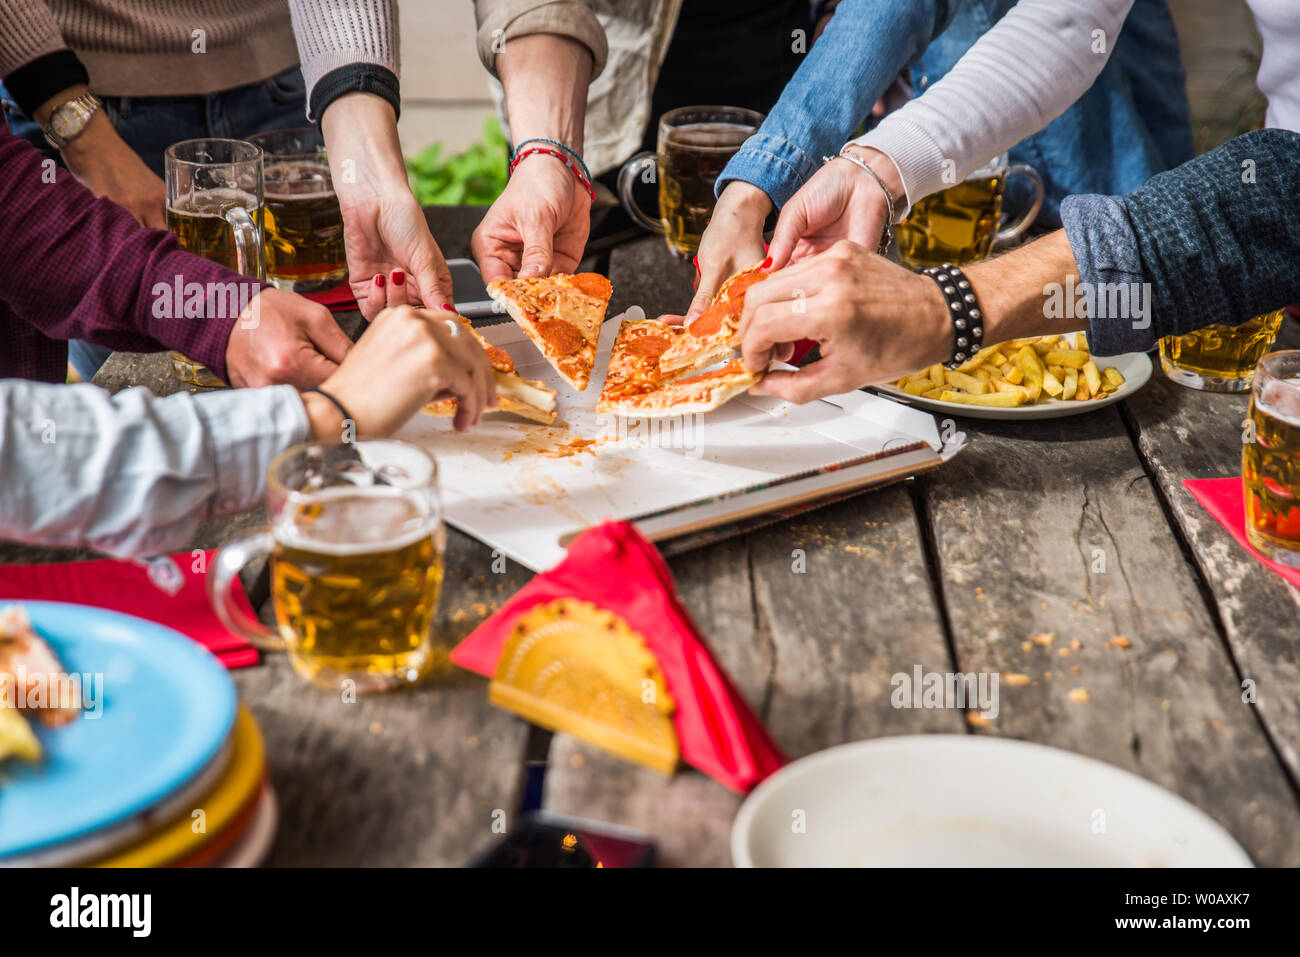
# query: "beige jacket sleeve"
{"points": [[502, 20], [28, 31]]}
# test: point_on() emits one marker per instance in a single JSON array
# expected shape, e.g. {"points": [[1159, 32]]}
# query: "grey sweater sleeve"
{"points": [[1215, 240], [346, 46]]}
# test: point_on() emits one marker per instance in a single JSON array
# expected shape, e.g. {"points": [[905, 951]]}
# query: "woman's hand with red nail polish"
{"points": [[733, 240]]}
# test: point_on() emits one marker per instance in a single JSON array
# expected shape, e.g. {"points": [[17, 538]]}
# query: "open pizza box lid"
{"points": [[526, 489]]}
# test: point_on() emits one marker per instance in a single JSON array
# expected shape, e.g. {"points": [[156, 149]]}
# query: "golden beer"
{"points": [[695, 144], [199, 222], [214, 206], [355, 576], [963, 223], [689, 165], [1219, 358], [303, 228], [1270, 459], [955, 225], [355, 551]]}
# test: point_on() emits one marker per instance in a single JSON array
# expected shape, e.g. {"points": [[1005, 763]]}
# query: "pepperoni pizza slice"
{"points": [[715, 333], [523, 397], [562, 314], [636, 386]]}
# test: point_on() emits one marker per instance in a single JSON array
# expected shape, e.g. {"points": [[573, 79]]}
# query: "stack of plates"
{"points": [[163, 768]]}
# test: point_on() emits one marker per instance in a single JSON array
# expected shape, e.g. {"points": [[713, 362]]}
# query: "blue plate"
{"points": [[166, 708]]}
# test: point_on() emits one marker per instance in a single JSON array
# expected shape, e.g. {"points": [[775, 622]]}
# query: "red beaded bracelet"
{"points": [[566, 160]]}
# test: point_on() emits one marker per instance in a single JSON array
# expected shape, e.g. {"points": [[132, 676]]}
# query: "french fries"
{"points": [[1019, 372]]}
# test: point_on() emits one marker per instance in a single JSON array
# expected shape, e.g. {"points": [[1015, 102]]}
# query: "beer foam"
{"points": [[1280, 399], [212, 202], [355, 520]]}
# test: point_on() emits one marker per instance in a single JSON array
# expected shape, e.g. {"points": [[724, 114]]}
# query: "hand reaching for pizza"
{"points": [[419, 357], [840, 202], [874, 320], [733, 240], [537, 226], [384, 229]]}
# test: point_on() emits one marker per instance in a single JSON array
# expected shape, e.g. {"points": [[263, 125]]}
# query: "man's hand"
{"points": [[537, 226], [732, 241], [840, 202], [105, 165], [384, 227], [283, 338], [875, 321], [419, 357]]}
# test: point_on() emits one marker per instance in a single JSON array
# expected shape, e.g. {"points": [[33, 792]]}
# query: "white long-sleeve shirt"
{"points": [[1279, 65], [131, 474], [1022, 74]]}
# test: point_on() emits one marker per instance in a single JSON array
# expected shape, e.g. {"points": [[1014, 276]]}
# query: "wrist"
{"points": [[43, 112], [883, 167], [545, 77], [745, 199], [324, 420], [360, 129]]}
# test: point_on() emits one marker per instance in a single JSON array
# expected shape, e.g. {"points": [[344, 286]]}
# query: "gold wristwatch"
{"points": [[70, 119]]}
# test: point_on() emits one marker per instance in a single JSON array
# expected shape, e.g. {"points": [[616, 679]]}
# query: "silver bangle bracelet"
{"points": [[887, 239]]}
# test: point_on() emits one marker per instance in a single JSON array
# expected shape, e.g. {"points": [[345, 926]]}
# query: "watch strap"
{"points": [[87, 104]]}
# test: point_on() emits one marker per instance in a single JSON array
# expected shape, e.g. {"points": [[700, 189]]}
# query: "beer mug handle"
{"points": [[627, 176], [232, 557], [1015, 230], [248, 244]]}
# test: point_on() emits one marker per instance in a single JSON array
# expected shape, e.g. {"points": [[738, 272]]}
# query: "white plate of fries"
{"points": [[1043, 377]]}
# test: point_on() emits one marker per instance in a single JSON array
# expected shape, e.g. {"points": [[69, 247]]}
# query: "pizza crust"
{"points": [[527, 398]]}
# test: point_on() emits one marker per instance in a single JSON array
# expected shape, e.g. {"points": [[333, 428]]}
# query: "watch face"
{"points": [[65, 122]]}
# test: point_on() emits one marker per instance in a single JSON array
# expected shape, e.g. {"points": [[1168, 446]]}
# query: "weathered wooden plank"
{"points": [[1053, 528], [813, 652], [1185, 434]]}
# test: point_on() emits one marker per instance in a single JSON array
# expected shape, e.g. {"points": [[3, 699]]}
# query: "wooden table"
{"points": [[1076, 528]]}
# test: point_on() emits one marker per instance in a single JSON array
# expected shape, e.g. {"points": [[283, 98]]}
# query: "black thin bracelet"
{"points": [[963, 310], [347, 416]]}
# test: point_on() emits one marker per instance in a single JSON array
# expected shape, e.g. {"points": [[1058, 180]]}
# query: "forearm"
{"points": [[864, 48], [1215, 240], [365, 154], [983, 107], [1017, 291], [133, 474], [501, 23], [545, 79]]}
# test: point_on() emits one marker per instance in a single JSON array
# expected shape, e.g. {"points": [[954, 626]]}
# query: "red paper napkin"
{"points": [[125, 586], [1223, 498], [613, 567], [338, 299]]}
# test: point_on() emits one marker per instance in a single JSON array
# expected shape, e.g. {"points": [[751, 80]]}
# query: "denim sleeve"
{"points": [[133, 474], [1212, 241], [864, 48]]}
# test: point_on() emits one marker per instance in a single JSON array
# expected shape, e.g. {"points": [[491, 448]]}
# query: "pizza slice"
{"points": [[715, 333], [636, 386], [523, 397], [562, 314]]}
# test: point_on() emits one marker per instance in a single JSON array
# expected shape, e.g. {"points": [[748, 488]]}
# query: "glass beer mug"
{"points": [[1270, 459], [303, 223], [695, 143], [214, 206], [1220, 358], [963, 223], [355, 545]]}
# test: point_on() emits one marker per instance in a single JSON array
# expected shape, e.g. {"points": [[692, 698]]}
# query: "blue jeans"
{"points": [[150, 124]]}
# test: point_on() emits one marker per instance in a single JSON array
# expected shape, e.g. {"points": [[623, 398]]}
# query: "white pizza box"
{"points": [[526, 489]]}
